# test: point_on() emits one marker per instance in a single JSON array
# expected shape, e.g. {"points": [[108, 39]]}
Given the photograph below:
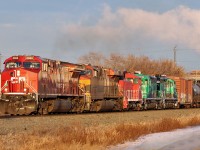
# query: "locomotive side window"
{"points": [[95, 73], [129, 79], [88, 72], [13, 64], [135, 81], [35, 65]]}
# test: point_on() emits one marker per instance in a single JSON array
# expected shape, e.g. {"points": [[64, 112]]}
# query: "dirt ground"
{"points": [[32, 123]]}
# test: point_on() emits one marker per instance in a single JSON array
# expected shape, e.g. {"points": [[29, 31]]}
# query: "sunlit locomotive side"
{"points": [[110, 90], [130, 86], [31, 84], [158, 92], [166, 90], [101, 89]]}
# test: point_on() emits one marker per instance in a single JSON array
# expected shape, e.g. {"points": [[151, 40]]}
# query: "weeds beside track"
{"points": [[94, 136]]}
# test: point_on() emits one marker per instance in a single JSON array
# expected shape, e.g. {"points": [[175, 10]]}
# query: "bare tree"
{"points": [[133, 63], [115, 61], [94, 58]]}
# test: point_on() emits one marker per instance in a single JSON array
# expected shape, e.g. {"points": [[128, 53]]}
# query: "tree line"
{"points": [[132, 63]]}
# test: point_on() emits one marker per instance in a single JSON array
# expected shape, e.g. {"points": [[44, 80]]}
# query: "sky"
{"points": [[67, 29]]}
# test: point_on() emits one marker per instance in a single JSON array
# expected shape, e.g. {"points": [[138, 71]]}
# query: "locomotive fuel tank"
{"points": [[59, 106], [103, 105]]}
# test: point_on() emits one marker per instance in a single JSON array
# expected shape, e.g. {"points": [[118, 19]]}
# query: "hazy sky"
{"points": [[67, 29]]}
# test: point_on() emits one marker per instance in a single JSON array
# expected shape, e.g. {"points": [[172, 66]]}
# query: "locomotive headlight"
{"points": [[6, 89], [25, 89]]}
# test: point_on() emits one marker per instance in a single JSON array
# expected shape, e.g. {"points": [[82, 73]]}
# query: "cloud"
{"points": [[126, 28], [7, 25]]}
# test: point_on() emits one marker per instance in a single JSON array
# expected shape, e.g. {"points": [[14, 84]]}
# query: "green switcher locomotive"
{"points": [[158, 92]]}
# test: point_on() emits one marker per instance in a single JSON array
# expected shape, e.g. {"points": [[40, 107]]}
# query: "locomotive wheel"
{"points": [[3, 107], [163, 105], [145, 106], [156, 107], [21, 107], [138, 107]]}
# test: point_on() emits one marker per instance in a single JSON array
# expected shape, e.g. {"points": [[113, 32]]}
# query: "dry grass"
{"points": [[93, 137]]}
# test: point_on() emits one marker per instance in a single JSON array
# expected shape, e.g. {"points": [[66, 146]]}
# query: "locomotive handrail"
{"points": [[82, 89], [4, 86], [31, 87]]}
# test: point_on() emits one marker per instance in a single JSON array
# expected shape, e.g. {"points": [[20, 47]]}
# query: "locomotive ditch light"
{"points": [[26, 90], [6, 89]]}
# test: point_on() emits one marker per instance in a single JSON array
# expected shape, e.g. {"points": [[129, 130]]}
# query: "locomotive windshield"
{"points": [[35, 65], [13, 64]]}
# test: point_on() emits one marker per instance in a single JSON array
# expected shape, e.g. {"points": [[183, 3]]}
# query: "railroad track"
{"points": [[5, 116]]}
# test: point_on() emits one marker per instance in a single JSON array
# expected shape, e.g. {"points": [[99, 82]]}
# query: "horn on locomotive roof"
{"points": [[137, 72]]}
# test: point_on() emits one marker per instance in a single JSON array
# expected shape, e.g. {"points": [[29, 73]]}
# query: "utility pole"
{"points": [[174, 54]]}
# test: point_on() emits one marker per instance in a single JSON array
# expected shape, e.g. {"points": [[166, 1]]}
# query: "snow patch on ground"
{"points": [[180, 139]]}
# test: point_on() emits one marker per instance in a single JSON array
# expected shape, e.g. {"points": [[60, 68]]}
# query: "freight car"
{"points": [[188, 92], [185, 92], [31, 84]]}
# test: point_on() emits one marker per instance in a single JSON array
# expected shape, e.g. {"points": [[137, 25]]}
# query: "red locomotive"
{"points": [[130, 88], [31, 84]]}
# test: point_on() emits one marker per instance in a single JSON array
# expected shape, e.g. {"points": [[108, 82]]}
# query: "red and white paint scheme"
{"points": [[130, 89]]}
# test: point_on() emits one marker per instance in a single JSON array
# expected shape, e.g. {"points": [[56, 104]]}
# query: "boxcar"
{"points": [[185, 91]]}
